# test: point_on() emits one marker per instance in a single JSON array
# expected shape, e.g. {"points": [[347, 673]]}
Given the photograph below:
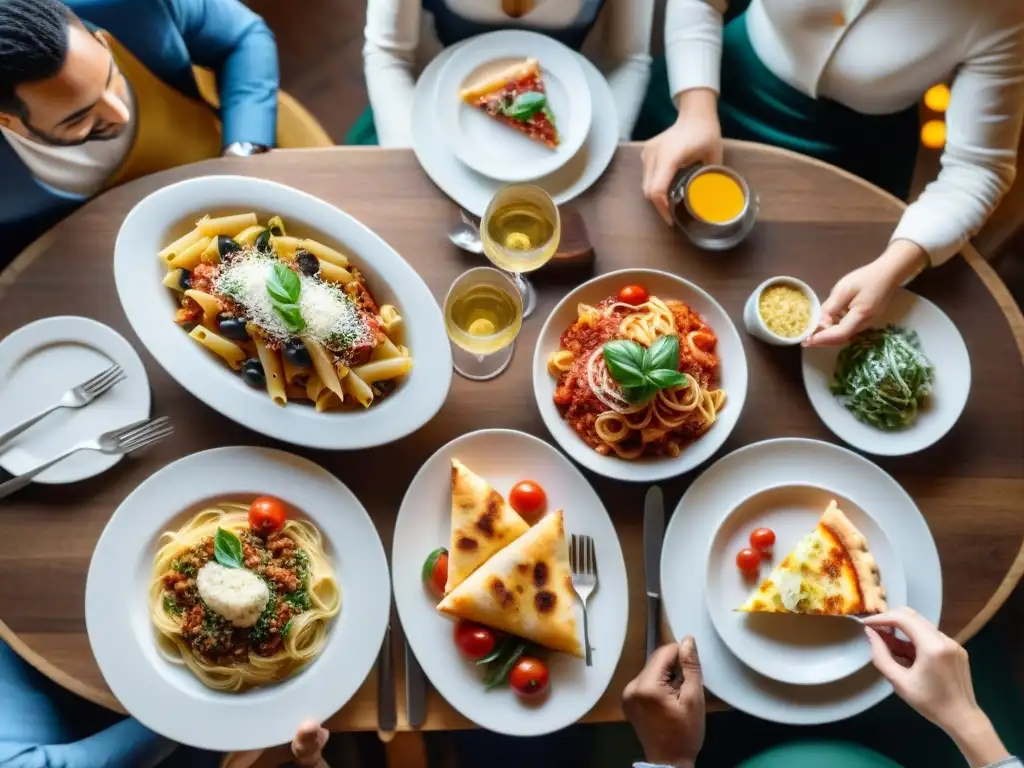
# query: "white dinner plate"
{"points": [[38, 364], [722, 487], [733, 370], [472, 190], [167, 697], [504, 457], [497, 150], [941, 343], [803, 650], [171, 212]]}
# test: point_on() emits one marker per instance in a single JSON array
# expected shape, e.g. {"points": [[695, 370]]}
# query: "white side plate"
{"points": [[941, 343], [167, 697], [42, 361], [504, 457]]}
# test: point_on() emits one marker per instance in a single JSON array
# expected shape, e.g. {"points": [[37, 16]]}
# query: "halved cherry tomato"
{"points": [[748, 560], [435, 571], [529, 676], [763, 539], [267, 514], [633, 294], [528, 499], [474, 640]]}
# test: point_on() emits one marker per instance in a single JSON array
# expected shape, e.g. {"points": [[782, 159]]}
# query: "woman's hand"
{"points": [[665, 704], [696, 136], [862, 295], [308, 743], [931, 672]]}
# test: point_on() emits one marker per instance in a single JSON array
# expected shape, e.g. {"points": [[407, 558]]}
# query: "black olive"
{"points": [[276, 231], [308, 263], [232, 327], [297, 354], [184, 279], [226, 246], [252, 373], [263, 241]]}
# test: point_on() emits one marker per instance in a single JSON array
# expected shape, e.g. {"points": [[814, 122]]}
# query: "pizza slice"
{"points": [[515, 96], [482, 524], [829, 572], [525, 590]]}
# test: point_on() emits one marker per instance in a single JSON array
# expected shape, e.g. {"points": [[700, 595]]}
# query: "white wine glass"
{"points": [[483, 314], [520, 232]]}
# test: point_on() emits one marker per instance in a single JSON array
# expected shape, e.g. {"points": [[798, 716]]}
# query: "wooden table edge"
{"points": [[995, 285]]}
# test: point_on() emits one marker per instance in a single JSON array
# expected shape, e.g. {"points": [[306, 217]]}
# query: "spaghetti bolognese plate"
{"points": [[639, 375], [226, 588]]}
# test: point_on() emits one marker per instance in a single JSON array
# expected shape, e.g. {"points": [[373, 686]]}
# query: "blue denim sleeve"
{"points": [[237, 45], [127, 744]]}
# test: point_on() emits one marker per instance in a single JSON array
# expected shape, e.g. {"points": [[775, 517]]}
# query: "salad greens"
{"points": [[882, 376]]}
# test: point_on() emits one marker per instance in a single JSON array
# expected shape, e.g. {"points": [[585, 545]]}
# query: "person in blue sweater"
{"points": [[930, 672]]}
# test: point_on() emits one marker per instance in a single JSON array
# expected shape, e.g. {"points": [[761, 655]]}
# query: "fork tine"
{"points": [[104, 380], [139, 428], [573, 554], [147, 438], [591, 556]]}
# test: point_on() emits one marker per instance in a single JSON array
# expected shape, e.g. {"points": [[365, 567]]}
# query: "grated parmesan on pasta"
{"points": [[785, 310]]}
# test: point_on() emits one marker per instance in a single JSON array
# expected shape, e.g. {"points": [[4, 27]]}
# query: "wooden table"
{"points": [[816, 223]]}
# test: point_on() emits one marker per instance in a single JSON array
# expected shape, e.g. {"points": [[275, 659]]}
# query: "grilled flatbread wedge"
{"points": [[525, 590], [482, 524], [830, 571]]}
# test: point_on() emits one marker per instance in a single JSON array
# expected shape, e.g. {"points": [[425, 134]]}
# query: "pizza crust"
{"points": [[864, 565], [494, 81]]}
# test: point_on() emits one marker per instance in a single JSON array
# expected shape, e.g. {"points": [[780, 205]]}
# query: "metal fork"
{"points": [[117, 442], [76, 397], [583, 559]]}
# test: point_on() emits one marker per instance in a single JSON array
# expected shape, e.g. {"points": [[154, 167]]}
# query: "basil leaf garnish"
{"points": [[284, 288], [642, 372], [663, 378], [526, 105], [227, 549], [663, 353]]}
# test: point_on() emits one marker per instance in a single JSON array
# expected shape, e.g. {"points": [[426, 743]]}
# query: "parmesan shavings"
{"points": [[331, 316], [785, 310]]}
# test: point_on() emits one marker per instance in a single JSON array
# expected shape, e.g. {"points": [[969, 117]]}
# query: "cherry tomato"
{"points": [[529, 676], [435, 571], [528, 499], [474, 640], [633, 294], [748, 561], [267, 514], [763, 539]]}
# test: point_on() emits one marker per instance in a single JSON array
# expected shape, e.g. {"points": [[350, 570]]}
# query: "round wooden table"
{"points": [[816, 223]]}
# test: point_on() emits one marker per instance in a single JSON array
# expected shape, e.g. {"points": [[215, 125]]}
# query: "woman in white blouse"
{"points": [[840, 80], [399, 39]]}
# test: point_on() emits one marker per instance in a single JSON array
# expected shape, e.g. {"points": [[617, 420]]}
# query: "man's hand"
{"points": [[863, 294], [308, 743], [665, 704], [696, 136]]}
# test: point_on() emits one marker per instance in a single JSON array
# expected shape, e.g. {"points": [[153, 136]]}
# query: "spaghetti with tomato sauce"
{"points": [[592, 401]]}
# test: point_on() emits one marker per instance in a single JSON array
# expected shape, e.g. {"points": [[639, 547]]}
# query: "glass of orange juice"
{"points": [[713, 206]]}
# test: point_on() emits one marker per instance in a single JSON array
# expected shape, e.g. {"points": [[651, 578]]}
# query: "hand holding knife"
{"points": [[654, 535]]}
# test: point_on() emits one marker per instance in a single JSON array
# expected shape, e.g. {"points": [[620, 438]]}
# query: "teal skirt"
{"points": [[755, 105]]}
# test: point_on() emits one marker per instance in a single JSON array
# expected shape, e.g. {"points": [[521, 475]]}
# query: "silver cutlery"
{"points": [[117, 442], [583, 560], [76, 397], [415, 689], [654, 535], [466, 235], [387, 712]]}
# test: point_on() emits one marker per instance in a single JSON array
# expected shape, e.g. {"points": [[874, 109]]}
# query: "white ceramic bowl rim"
{"points": [[801, 286]]}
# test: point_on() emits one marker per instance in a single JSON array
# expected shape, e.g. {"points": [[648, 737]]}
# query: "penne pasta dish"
{"points": [[291, 315]]}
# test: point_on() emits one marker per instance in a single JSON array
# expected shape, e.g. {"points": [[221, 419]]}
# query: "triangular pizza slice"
{"points": [[515, 96], [830, 571], [482, 524], [525, 590]]}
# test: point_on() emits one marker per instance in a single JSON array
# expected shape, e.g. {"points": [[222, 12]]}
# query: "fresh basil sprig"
{"points": [[525, 105], [499, 670], [227, 549], [642, 372], [284, 288]]}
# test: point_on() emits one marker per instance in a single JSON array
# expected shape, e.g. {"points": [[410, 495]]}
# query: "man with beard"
{"points": [[95, 93]]}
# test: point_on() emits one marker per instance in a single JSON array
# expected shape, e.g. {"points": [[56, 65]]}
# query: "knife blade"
{"points": [[387, 713], [415, 689], [654, 534]]}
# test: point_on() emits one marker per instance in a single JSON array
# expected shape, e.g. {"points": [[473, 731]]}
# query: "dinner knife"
{"points": [[415, 689], [654, 534], [387, 712]]}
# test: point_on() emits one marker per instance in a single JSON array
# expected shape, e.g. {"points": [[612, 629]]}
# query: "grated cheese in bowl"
{"points": [[785, 310]]}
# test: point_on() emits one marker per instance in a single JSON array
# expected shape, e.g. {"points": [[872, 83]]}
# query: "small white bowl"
{"points": [[755, 324]]}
